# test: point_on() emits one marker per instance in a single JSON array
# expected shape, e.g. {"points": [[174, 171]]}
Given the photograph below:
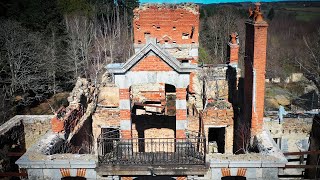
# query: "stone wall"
{"points": [[19, 134], [40, 163], [35, 127], [292, 135]]}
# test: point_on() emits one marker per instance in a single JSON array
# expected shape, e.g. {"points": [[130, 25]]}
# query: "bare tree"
{"points": [[311, 65]]}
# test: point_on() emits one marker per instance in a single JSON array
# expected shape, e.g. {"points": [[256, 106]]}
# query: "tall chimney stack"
{"points": [[233, 50], [255, 68]]}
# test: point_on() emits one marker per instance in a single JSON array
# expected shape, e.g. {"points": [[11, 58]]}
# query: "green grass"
{"points": [[304, 13], [307, 16]]}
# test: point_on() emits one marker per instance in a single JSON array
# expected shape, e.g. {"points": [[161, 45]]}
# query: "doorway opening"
{"points": [[216, 139]]}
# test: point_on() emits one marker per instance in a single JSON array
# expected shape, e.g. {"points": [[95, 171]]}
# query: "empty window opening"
{"points": [[185, 61], [158, 27], [166, 41], [139, 42], [174, 28], [170, 100], [146, 35], [174, 42], [185, 35], [216, 139]]}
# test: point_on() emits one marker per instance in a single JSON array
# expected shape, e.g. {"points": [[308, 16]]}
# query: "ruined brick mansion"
{"points": [[162, 115]]}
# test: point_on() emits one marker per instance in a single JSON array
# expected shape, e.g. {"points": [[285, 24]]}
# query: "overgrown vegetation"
{"points": [[46, 45]]}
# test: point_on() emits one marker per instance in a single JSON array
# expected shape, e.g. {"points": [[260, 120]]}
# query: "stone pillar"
{"points": [[181, 113], [125, 113], [255, 69]]}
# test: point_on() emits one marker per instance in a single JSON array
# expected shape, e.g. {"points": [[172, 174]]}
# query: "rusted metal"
{"points": [[152, 151], [301, 153], [13, 174]]}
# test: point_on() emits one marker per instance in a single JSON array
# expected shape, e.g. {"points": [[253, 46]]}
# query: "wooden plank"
{"points": [[301, 153], [149, 105], [11, 174]]}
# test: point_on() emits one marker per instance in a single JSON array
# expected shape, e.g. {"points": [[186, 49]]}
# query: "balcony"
{"points": [[113, 150]]}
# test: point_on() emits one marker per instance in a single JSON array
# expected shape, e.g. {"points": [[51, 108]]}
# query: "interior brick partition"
{"points": [[255, 67]]}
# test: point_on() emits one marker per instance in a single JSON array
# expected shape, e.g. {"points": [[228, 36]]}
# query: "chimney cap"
{"points": [[233, 38], [259, 17]]}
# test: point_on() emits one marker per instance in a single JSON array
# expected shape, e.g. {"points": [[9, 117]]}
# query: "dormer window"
{"points": [[139, 42], [158, 28], [174, 28]]}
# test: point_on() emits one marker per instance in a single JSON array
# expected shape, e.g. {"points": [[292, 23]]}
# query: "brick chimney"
{"points": [[255, 68], [176, 28], [233, 50]]}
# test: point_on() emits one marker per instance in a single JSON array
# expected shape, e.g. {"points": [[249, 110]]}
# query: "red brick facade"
{"points": [[180, 134], [151, 63], [181, 114], [181, 93], [125, 114], [124, 94], [126, 134], [167, 25], [255, 68], [233, 50]]}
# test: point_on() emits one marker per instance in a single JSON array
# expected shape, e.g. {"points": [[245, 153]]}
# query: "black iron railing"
{"points": [[152, 151]]}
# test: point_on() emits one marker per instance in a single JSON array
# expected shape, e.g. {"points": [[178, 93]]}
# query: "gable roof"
{"points": [[121, 68]]}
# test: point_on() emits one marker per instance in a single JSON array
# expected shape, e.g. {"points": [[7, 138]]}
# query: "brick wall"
{"points": [[255, 68], [103, 118], [151, 63], [220, 118], [233, 50], [166, 24]]}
